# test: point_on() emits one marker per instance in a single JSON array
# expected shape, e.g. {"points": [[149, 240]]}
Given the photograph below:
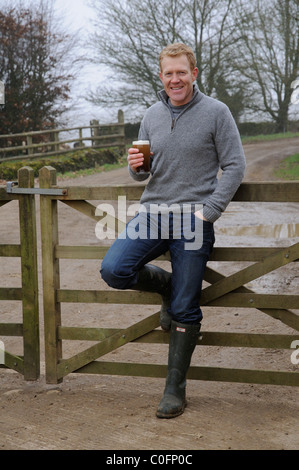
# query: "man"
{"points": [[192, 136]]}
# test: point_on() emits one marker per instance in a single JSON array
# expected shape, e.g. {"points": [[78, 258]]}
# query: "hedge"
{"points": [[79, 160]]}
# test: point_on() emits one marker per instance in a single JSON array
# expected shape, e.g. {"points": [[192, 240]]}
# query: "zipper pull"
{"points": [[172, 124]]}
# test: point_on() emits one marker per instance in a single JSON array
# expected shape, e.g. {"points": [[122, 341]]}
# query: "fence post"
{"points": [[56, 140], [120, 116], [80, 137], [2, 92], [28, 239], [50, 270], [29, 143], [94, 131], [121, 120]]}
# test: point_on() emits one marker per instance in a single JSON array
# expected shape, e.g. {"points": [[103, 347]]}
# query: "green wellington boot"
{"points": [[183, 339], [154, 279]]}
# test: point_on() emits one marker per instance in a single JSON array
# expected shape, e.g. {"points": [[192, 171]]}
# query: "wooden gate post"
{"points": [[27, 216], [50, 269]]}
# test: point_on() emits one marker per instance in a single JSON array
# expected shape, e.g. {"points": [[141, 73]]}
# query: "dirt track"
{"points": [[117, 413]]}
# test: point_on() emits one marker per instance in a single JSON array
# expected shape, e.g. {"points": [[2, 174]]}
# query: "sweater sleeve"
{"points": [[231, 161], [142, 176]]}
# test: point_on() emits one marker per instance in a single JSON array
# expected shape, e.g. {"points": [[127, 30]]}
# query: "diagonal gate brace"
{"points": [[109, 344], [285, 316], [236, 280]]}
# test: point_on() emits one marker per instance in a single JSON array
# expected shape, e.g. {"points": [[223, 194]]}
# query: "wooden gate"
{"points": [[27, 294], [226, 291]]}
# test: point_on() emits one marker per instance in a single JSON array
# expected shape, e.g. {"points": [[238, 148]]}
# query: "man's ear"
{"points": [[195, 73]]}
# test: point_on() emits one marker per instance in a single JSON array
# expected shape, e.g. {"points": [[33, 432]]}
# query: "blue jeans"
{"points": [[128, 255]]}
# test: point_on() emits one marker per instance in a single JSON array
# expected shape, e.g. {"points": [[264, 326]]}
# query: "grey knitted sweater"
{"points": [[188, 153]]}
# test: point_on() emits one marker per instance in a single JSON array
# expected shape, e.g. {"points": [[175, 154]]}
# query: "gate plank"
{"points": [[270, 377], [10, 293], [10, 250], [111, 297], [286, 191], [207, 338], [256, 301]]}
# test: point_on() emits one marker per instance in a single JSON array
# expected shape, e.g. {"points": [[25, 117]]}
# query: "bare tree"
{"points": [[247, 52], [131, 33], [214, 37], [270, 55], [129, 37]]}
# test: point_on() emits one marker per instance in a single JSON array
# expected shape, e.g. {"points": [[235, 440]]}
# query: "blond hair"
{"points": [[177, 49]]}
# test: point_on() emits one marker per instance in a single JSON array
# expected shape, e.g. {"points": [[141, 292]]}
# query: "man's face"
{"points": [[177, 78]]}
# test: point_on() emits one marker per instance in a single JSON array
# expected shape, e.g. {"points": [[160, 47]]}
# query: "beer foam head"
{"points": [[141, 142]]}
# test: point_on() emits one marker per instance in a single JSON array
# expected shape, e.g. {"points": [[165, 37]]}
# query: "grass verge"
{"points": [[289, 168], [91, 171], [268, 137]]}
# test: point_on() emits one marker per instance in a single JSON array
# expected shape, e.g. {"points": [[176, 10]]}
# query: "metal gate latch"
{"points": [[11, 189]]}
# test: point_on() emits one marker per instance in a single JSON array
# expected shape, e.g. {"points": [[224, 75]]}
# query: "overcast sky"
{"points": [[78, 15]]}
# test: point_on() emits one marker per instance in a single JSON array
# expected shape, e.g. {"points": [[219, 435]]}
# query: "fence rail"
{"points": [[22, 145]]}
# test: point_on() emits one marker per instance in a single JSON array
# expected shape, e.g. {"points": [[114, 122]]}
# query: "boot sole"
{"points": [[169, 416], [159, 414]]}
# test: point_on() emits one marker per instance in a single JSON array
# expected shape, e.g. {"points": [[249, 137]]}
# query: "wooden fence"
{"points": [[222, 291], [37, 144]]}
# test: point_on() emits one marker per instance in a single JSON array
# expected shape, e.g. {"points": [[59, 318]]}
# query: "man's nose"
{"points": [[175, 78]]}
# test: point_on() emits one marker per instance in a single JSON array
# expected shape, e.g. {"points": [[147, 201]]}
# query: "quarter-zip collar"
{"points": [[197, 96]]}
